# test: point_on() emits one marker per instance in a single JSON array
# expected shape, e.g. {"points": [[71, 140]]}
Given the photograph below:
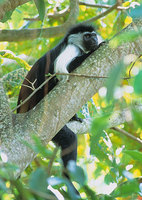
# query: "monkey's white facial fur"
{"points": [[86, 41]]}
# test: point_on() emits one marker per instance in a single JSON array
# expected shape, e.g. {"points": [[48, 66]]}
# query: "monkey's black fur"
{"points": [[85, 43]]}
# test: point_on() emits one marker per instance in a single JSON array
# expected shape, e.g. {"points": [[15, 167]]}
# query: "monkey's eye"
{"points": [[94, 34], [87, 36]]}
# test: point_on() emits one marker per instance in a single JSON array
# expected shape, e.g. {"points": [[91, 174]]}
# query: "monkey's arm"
{"points": [[79, 59], [77, 62]]}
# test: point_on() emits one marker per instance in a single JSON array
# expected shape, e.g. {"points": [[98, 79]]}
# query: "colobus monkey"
{"points": [[75, 47]]}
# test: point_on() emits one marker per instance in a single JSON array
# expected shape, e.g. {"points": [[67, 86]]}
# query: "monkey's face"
{"points": [[86, 41], [90, 41]]}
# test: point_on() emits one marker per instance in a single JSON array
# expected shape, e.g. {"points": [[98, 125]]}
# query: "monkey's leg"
{"points": [[67, 140]]}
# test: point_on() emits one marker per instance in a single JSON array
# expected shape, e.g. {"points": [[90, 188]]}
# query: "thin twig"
{"points": [[81, 75], [32, 83], [127, 134], [102, 14], [102, 6], [28, 87], [87, 76], [34, 92], [52, 76]]}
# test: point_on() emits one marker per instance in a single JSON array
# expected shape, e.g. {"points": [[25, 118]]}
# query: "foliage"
{"points": [[111, 163], [41, 8]]}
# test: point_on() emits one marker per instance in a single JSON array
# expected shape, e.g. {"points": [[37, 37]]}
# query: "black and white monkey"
{"points": [[75, 47]]}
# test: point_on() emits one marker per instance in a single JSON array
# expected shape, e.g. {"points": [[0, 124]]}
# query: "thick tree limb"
{"points": [[55, 110], [5, 115], [29, 34], [8, 5]]}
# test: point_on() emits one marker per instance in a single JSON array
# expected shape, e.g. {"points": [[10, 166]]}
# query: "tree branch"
{"points": [[102, 14], [5, 115], [127, 134], [29, 34], [52, 76], [26, 34], [102, 6], [56, 15], [9, 5], [117, 118], [65, 11]]}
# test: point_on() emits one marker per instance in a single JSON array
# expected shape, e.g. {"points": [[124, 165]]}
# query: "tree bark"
{"points": [[9, 5], [55, 110]]}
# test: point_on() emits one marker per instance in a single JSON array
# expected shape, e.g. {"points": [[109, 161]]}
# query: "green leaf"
{"points": [[108, 179], [136, 155], [21, 62], [98, 147], [113, 80], [126, 189], [119, 22], [105, 197], [138, 83], [99, 124], [136, 12], [3, 186], [7, 16], [55, 181], [98, 151], [40, 4], [38, 181], [7, 171], [89, 192], [2, 2], [137, 117], [40, 148], [77, 173]]}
